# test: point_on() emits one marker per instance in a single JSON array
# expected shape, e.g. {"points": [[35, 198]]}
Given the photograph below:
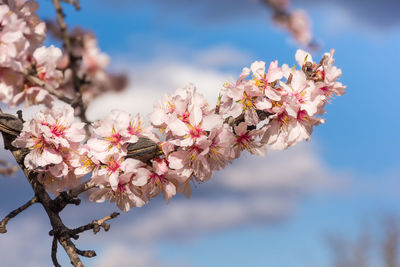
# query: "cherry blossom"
{"points": [[276, 107], [53, 138], [119, 180]]}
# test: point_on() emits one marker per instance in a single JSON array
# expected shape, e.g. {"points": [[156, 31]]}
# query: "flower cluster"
{"points": [[31, 73], [21, 33], [278, 106], [53, 140]]}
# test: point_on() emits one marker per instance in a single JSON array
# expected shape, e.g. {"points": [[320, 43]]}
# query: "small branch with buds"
{"points": [[96, 225]]}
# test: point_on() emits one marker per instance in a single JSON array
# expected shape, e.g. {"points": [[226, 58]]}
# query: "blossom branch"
{"points": [[15, 212], [9, 126]]}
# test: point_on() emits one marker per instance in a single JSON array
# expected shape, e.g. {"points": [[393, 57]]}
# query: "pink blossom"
{"points": [[52, 137], [249, 140], [115, 132], [120, 180], [161, 179]]}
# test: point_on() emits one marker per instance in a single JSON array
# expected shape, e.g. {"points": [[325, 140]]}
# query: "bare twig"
{"points": [[54, 252], [95, 225], [8, 170], [14, 213], [75, 3], [70, 248], [86, 253], [69, 197]]}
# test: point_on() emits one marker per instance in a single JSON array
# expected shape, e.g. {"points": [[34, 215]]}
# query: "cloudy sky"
{"points": [[271, 211]]}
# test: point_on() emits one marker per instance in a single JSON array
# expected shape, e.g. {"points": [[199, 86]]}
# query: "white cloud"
{"points": [[174, 67], [252, 191], [19, 245], [121, 255], [150, 81], [298, 168], [221, 56]]}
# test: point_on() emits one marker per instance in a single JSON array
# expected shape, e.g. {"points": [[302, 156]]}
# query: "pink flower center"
{"points": [[157, 179], [195, 132], [39, 143], [243, 139], [283, 118], [185, 117], [302, 115], [115, 139], [121, 187], [133, 131], [119, 191], [57, 130], [113, 165], [42, 75]]}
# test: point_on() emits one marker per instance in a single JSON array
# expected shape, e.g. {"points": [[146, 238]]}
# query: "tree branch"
{"points": [[15, 212], [54, 252], [95, 225], [86, 253]]}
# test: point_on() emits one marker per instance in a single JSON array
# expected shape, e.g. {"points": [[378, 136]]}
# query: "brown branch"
{"points": [[69, 197], [86, 253], [95, 225], [8, 170], [70, 248], [75, 3], [54, 252], [59, 230], [14, 213], [76, 191]]}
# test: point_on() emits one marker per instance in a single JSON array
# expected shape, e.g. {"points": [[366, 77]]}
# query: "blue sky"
{"points": [[350, 170]]}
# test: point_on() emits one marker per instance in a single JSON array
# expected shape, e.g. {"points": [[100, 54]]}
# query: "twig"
{"points": [[95, 225], [54, 252], [9, 170], [14, 213], [75, 3], [76, 191], [69, 197], [70, 248], [86, 253]]}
